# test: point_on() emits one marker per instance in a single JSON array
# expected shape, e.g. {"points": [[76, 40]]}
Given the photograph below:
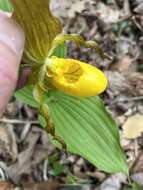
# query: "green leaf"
{"points": [[88, 130], [53, 158], [42, 121], [86, 127], [5, 5], [61, 51], [57, 168], [39, 25], [135, 186], [25, 95]]}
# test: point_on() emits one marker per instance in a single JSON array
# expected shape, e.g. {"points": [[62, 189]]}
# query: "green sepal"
{"points": [[42, 121], [25, 95], [60, 51], [5, 5], [87, 129]]}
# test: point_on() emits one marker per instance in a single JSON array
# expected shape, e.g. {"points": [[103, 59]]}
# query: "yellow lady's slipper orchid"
{"points": [[75, 77]]}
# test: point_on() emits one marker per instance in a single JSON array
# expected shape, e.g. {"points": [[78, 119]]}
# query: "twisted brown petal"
{"points": [[39, 25]]}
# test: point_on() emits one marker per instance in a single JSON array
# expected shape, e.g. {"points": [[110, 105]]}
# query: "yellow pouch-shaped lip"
{"points": [[77, 78]]}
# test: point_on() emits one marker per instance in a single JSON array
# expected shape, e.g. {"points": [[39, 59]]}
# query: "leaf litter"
{"points": [[118, 27]]}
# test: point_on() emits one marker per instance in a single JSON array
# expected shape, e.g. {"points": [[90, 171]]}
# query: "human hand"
{"points": [[11, 49]]}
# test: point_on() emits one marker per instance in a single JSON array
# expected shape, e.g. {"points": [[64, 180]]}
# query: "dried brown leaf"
{"points": [[124, 64], [136, 81], [139, 8], [138, 165], [49, 185], [8, 145], [23, 164], [41, 186], [118, 83], [69, 8], [6, 186], [35, 150], [107, 14]]}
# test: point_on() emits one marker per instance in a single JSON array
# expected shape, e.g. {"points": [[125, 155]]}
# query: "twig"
{"points": [[45, 177], [118, 3], [15, 121], [127, 8], [131, 167], [137, 98], [25, 131], [2, 174], [136, 148]]}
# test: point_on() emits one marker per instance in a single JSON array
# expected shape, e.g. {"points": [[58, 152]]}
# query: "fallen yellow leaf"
{"points": [[133, 127]]}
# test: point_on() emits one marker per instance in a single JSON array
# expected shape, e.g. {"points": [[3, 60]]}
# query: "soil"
{"points": [[25, 148]]}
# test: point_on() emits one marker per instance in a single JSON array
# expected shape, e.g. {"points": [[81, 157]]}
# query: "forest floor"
{"points": [[117, 25]]}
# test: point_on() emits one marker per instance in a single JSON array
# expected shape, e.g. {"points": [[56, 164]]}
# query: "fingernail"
{"points": [[5, 14], [11, 34]]}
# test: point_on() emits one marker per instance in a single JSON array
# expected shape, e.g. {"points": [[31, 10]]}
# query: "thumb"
{"points": [[11, 49]]}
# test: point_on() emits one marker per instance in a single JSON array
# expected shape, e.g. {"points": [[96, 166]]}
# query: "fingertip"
{"points": [[12, 35], [11, 48]]}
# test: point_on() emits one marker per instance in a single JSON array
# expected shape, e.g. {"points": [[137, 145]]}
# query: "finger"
{"points": [[11, 48]]}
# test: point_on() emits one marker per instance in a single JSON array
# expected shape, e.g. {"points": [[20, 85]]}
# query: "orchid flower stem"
{"points": [[38, 94]]}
